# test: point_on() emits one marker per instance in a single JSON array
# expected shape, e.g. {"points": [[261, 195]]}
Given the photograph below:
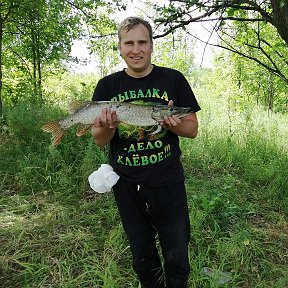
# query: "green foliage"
{"points": [[56, 232], [103, 42], [37, 39], [257, 42], [248, 84], [251, 30], [176, 52], [38, 35], [237, 183], [62, 88]]}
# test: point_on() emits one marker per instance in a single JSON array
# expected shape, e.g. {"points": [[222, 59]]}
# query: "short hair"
{"points": [[130, 22]]}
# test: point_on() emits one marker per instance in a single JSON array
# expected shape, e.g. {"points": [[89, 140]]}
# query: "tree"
{"points": [[176, 51], [34, 33], [37, 34], [103, 41], [6, 8], [252, 15]]}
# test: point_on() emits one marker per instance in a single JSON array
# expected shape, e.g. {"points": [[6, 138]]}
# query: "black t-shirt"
{"points": [[146, 155]]}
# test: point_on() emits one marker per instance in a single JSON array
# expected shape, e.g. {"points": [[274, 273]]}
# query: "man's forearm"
{"points": [[186, 128], [102, 136]]}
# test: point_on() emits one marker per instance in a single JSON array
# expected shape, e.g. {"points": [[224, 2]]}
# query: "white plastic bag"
{"points": [[103, 179]]}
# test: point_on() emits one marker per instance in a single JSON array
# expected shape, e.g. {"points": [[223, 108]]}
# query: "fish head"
{"points": [[160, 111]]}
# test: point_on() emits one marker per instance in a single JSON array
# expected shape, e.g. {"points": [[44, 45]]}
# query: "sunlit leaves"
{"points": [[38, 34]]}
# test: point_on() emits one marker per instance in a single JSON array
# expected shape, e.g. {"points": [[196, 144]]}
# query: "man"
{"points": [[150, 193]]}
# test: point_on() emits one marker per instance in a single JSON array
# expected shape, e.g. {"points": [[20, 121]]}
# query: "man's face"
{"points": [[136, 49]]}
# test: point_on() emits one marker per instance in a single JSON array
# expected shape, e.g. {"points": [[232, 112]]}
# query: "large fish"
{"points": [[85, 112]]}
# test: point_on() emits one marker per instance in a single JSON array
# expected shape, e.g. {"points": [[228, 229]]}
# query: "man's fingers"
{"points": [[106, 116], [107, 119], [172, 121], [114, 120], [170, 103], [97, 122], [176, 119]]}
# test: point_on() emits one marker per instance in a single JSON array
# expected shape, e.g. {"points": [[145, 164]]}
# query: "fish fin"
{"points": [[141, 134], [152, 137], [75, 105], [83, 129], [57, 132]]}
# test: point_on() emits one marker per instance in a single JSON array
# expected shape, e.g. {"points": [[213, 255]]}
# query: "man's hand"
{"points": [[185, 127], [104, 127], [108, 119], [171, 121]]}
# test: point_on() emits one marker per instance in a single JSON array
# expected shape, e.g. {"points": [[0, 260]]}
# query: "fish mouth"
{"points": [[189, 110], [160, 111], [180, 110]]}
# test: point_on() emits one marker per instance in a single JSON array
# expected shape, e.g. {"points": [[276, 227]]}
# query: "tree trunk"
{"points": [[1, 78], [271, 92], [280, 17], [34, 61], [37, 75], [39, 71]]}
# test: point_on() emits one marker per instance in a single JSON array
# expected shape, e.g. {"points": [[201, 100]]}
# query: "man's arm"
{"points": [[104, 127], [185, 127]]}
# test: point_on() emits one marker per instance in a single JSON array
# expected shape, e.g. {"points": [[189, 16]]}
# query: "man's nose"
{"points": [[136, 49]]}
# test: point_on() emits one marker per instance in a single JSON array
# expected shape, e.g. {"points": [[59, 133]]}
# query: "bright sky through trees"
{"points": [[204, 54]]}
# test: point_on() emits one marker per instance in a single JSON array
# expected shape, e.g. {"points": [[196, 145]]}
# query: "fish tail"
{"points": [[57, 132]]}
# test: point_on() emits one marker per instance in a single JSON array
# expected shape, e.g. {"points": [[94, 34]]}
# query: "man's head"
{"points": [[136, 46], [130, 22]]}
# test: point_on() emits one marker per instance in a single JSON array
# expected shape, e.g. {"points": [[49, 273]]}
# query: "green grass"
{"points": [[56, 232]]}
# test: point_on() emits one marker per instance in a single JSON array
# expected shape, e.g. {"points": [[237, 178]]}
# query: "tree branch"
{"points": [[274, 70], [77, 7], [235, 4]]}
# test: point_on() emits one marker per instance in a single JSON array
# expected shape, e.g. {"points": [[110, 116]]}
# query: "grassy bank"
{"points": [[56, 232]]}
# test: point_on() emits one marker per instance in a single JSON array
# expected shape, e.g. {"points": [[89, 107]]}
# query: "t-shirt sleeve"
{"points": [[101, 93], [185, 95]]}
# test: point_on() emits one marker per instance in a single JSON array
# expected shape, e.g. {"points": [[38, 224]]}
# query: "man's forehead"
{"points": [[139, 27]]}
